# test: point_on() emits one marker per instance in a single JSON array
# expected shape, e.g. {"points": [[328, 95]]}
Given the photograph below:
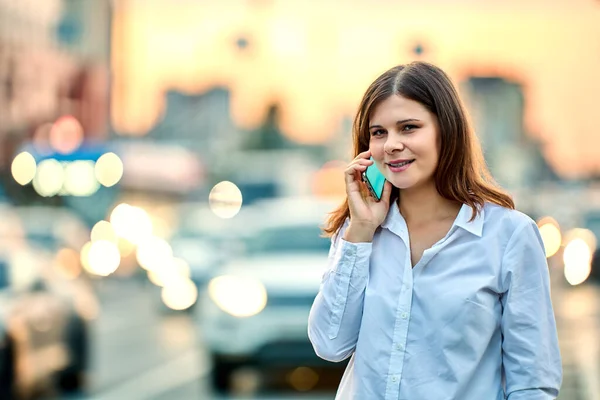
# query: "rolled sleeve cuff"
{"points": [[352, 259], [533, 394]]}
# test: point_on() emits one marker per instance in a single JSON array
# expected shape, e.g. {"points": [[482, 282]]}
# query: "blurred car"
{"points": [[255, 312], [45, 306], [205, 240], [49, 227]]}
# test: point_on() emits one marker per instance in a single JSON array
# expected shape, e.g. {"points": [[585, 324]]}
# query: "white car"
{"points": [[255, 312], [205, 240]]}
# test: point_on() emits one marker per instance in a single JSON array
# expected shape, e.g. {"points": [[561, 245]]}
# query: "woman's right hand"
{"points": [[366, 213]]}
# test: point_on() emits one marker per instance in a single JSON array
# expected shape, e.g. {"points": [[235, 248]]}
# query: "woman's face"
{"points": [[404, 142]]}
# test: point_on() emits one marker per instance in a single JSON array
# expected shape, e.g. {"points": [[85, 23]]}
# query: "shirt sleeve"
{"points": [[336, 313], [530, 354]]}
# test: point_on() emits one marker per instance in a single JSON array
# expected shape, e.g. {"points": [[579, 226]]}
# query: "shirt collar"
{"points": [[394, 221], [464, 215]]}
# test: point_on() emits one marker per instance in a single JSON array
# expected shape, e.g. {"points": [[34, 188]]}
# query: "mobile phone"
{"points": [[374, 180]]}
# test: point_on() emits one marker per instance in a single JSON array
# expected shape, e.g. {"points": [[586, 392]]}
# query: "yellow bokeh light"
{"points": [[550, 232], [103, 257], [103, 230], [238, 296], [23, 168], [162, 275], [49, 177], [577, 258], [154, 254], [179, 294], [80, 179], [157, 278], [181, 267], [584, 234], [131, 223], [109, 169], [84, 257], [577, 274], [225, 199], [125, 247], [303, 379]]}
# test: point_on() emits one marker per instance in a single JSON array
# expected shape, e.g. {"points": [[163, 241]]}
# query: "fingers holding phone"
{"points": [[354, 170], [366, 212]]}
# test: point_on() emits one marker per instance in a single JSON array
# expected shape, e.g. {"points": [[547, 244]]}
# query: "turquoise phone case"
{"points": [[374, 180]]}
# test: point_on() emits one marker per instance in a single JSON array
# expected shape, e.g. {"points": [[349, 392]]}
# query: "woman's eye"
{"points": [[409, 128], [377, 132]]}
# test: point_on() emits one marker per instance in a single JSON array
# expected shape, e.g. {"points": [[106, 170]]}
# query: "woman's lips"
{"points": [[400, 168]]}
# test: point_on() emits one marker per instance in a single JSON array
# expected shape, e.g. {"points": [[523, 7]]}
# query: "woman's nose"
{"points": [[392, 145]]}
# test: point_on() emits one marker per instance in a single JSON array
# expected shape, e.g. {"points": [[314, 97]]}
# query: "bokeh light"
{"points": [[103, 257], [103, 230], [551, 236], [66, 135], [126, 248], [238, 296], [303, 379], [84, 258], [584, 234], [162, 275], [577, 258], [80, 179], [179, 294], [181, 267], [154, 253], [156, 277], [23, 168], [225, 199], [131, 223], [109, 169], [49, 178], [66, 263]]}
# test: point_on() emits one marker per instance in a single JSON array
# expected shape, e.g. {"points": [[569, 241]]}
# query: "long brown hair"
{"points": [[461, 174]]}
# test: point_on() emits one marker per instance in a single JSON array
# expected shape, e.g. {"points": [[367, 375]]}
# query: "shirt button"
{"points": [[400, 347], [404, 315], [394, 378]]}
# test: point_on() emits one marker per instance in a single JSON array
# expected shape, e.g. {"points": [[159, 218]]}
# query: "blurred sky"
{"points": [[317, 59]]}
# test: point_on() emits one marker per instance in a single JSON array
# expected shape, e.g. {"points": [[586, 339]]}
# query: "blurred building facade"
{"points": [[53, 63], [514, 156]]}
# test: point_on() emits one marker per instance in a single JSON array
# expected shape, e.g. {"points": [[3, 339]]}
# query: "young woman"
{"points": [[440, 291]]}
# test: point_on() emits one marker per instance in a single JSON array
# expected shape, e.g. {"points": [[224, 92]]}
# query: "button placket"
{"points": [[401, 332]]}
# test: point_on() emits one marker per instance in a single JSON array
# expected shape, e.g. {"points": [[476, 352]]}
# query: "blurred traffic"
{"points": [[166, 168]]}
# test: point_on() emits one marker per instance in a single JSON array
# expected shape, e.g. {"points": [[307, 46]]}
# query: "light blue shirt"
{"points": [[473, 320]]}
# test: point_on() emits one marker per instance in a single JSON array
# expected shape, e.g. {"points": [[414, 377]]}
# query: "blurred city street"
{"points": [[144, 352]]}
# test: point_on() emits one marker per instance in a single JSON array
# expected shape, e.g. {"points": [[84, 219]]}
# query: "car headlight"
{"points": [[237, 295]]}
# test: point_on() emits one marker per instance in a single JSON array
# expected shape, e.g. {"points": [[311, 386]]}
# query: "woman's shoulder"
{"points": [[505, 219]]}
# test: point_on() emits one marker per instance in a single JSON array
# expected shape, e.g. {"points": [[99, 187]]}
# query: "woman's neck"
{"points": [[424, 204]]}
